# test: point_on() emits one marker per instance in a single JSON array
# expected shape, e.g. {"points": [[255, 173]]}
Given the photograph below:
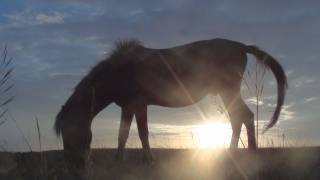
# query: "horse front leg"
{"points": [[125, 123], [142, 123]]}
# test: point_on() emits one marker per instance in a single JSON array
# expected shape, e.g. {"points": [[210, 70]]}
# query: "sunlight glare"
{"points": [[212, 135]]}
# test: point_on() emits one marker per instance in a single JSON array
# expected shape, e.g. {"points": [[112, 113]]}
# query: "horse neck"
{"points": [[89, 102], [99, 100]]}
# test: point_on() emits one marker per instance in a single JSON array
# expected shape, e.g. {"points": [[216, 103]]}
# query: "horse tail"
{"points": [[280, 76], [58, 125]]}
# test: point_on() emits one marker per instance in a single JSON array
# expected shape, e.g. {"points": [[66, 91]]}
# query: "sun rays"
{"points": [[212, 135]]}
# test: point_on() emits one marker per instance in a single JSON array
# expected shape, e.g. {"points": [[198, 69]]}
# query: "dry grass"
{"points": [[268, 163]]}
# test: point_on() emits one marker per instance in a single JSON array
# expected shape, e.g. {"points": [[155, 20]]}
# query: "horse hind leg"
{"points": [[125, 123], [239, 114], [249, 123], [248, 120]]}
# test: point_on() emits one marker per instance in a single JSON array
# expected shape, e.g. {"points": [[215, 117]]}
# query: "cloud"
{"points": [[310, 99], [270, 97], [64, 74], [135, 12], [272, 105], [56, 17], [286, 113], [253, 100], [303, 81], [164, 133], [29, 17]]}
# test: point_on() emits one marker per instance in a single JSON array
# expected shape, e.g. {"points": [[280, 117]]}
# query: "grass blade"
{"points": [[7, 73], [3, 113], [39, 133], [20, 131], [7, 89], [7, 101], [2, 122]]}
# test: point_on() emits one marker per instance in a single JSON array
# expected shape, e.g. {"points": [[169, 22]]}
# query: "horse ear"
{"points": [[62, 107]]}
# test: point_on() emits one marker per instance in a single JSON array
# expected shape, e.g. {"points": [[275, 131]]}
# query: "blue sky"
{"points": [[55, 43]]}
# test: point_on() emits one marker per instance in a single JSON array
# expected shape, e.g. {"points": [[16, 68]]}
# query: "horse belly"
{"points": [[176, 94]]}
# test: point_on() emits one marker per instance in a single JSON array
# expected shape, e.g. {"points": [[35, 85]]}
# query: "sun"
{"points": [[212, 135]]}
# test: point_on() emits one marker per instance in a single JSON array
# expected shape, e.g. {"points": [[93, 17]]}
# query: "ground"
{"points": [[169, 164]]}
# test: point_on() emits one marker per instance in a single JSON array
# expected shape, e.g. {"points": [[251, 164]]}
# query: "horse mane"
{"points": [[124, 46], [114, 58]]}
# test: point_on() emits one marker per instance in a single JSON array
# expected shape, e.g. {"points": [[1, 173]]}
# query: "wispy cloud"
{"points": [[64, 74], [135, 12], [253, 100], [287, 113], [302, 81], [272, 105], [29, 17], [310, 99], [289, 72], [56, 17]]}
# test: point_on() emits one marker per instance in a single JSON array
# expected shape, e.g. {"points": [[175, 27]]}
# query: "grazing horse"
{"points": [[134, 77]]}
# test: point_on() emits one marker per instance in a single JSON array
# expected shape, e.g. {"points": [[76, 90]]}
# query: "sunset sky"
{"points": [[55, 43]]}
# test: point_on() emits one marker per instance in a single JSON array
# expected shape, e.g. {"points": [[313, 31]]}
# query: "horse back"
{"points": [[183, 74]]}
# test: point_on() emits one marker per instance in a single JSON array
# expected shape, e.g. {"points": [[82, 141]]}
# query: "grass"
{"points": [[189, 164]]}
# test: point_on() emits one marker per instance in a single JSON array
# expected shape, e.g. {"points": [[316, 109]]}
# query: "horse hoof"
{"points": [[119, 158], [148, 159], [252, 149], [149, 162], [79, 174]]}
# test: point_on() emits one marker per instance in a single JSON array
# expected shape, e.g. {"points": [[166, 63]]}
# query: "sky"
{"points": [[55, 43]]}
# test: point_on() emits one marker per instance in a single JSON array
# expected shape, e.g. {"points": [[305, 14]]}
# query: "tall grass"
{"points": [[256, 79], [25, 139], [6, 84], [6, 96], [43, 161]]}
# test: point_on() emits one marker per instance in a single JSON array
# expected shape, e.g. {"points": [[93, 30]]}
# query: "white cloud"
{"points": [[29, 17], [47, 19], [272, 105], [289, 72], [271, 97], [310, 99], [287, 114], [135, 12], [303, 81], [56, 74], [253, 101]]}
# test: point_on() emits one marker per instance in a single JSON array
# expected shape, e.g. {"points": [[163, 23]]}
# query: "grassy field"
{"points": [[184, 164]]}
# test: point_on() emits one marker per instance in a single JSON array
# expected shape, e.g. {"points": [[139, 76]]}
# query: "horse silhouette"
{"points": [[134, 77]]}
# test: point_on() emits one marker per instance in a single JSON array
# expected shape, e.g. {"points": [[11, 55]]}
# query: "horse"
{"points": [[134, 76]]}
